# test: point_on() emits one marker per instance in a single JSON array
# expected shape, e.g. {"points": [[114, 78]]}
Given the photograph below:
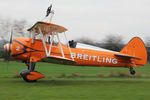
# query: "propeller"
{"points": [[7, 50], [8, 47]]}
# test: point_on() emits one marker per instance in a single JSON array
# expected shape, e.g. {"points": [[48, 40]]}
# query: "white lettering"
{"points": [[73, 55], [94, 58], [85, 57], [17, 48], [98, 59], [79, 56], [114, 61], [89, 58], [108, 60], [103, 59]]}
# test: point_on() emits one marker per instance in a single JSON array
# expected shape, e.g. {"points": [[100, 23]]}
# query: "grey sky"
{"points": [[87, 18]]}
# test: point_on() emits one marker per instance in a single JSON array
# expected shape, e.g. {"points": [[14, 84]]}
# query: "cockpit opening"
{"points": [[72, 44]]}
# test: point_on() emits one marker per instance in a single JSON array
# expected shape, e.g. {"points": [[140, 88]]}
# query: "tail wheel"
{"points": [[132, 71]]}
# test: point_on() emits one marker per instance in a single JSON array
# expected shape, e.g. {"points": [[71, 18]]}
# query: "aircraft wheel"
{"points": [[132, 72], [24, 76]]}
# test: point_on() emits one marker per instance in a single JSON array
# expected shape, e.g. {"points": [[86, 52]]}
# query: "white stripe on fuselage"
{"points": [[85, 46]]}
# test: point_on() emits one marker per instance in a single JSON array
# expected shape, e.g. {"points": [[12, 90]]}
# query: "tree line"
{"points": [[8, 25]]}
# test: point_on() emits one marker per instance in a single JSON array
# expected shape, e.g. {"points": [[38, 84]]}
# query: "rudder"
{"points": [[136, 47]]}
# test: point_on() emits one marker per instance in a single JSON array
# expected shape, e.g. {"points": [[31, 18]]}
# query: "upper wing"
{"points": [[47, 28]]}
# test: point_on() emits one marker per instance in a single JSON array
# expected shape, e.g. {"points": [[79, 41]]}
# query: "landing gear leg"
{"points": [[31, 66], [132, 71]]}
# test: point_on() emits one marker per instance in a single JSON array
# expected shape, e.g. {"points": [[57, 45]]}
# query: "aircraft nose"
{"points": [[7, 47]]}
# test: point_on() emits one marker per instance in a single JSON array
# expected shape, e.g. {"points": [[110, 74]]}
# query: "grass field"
{"points": [[85, 86]]}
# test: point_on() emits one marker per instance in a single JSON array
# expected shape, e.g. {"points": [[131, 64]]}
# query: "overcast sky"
{"points": [[86, 18]]}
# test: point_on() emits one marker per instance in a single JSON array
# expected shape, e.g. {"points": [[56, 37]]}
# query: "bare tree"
{"points": [[6, 25], [19, 27], [85, 41], [147, 41], [4, 28], [113, 42]]}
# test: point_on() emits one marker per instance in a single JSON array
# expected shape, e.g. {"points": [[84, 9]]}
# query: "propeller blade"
{"points": [[10, 42], [11, 36]]}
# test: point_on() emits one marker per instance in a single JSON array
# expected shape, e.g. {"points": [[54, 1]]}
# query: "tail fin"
{"points": [[136, 47]]}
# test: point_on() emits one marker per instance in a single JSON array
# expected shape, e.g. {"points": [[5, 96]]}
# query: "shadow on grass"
{"points": [[79, 81]]}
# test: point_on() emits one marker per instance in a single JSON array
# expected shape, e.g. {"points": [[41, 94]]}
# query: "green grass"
{"points": [[77, 88], [8, 69]]}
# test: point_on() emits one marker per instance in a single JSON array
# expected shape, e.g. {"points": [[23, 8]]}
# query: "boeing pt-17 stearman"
{"points": [[46, 49]]}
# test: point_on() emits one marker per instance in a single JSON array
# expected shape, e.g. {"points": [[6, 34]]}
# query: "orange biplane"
{"points": [[47, 49]]}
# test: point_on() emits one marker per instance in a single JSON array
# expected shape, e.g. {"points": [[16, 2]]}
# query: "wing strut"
{"points": [[46, 51], [60, 45], [50, 47], [68, 45], [43, 41]]}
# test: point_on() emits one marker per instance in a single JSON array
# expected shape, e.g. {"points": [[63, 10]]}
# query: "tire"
{"points": [[24, 74], [132, 72]]}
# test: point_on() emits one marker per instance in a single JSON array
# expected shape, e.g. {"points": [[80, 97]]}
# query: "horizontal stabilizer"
{"points": [[58, 60], [127, 56]]}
